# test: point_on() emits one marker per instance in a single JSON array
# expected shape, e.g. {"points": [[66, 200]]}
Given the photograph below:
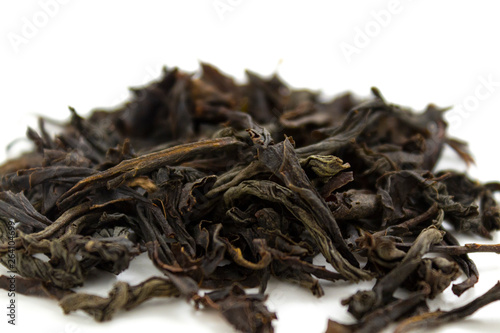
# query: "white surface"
{"points": [[89, 52]]}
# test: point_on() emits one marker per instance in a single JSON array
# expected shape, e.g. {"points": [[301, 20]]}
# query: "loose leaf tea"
{"points": [[228, 185]]}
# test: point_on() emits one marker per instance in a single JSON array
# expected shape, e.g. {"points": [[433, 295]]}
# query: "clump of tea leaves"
{"points": [[226, 185]]}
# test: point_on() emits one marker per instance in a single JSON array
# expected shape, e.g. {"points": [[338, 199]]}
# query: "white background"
{"points": [[87, 53]]}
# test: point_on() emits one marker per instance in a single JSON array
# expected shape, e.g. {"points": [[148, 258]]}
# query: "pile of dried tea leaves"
{"points": [[226, 185]]}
